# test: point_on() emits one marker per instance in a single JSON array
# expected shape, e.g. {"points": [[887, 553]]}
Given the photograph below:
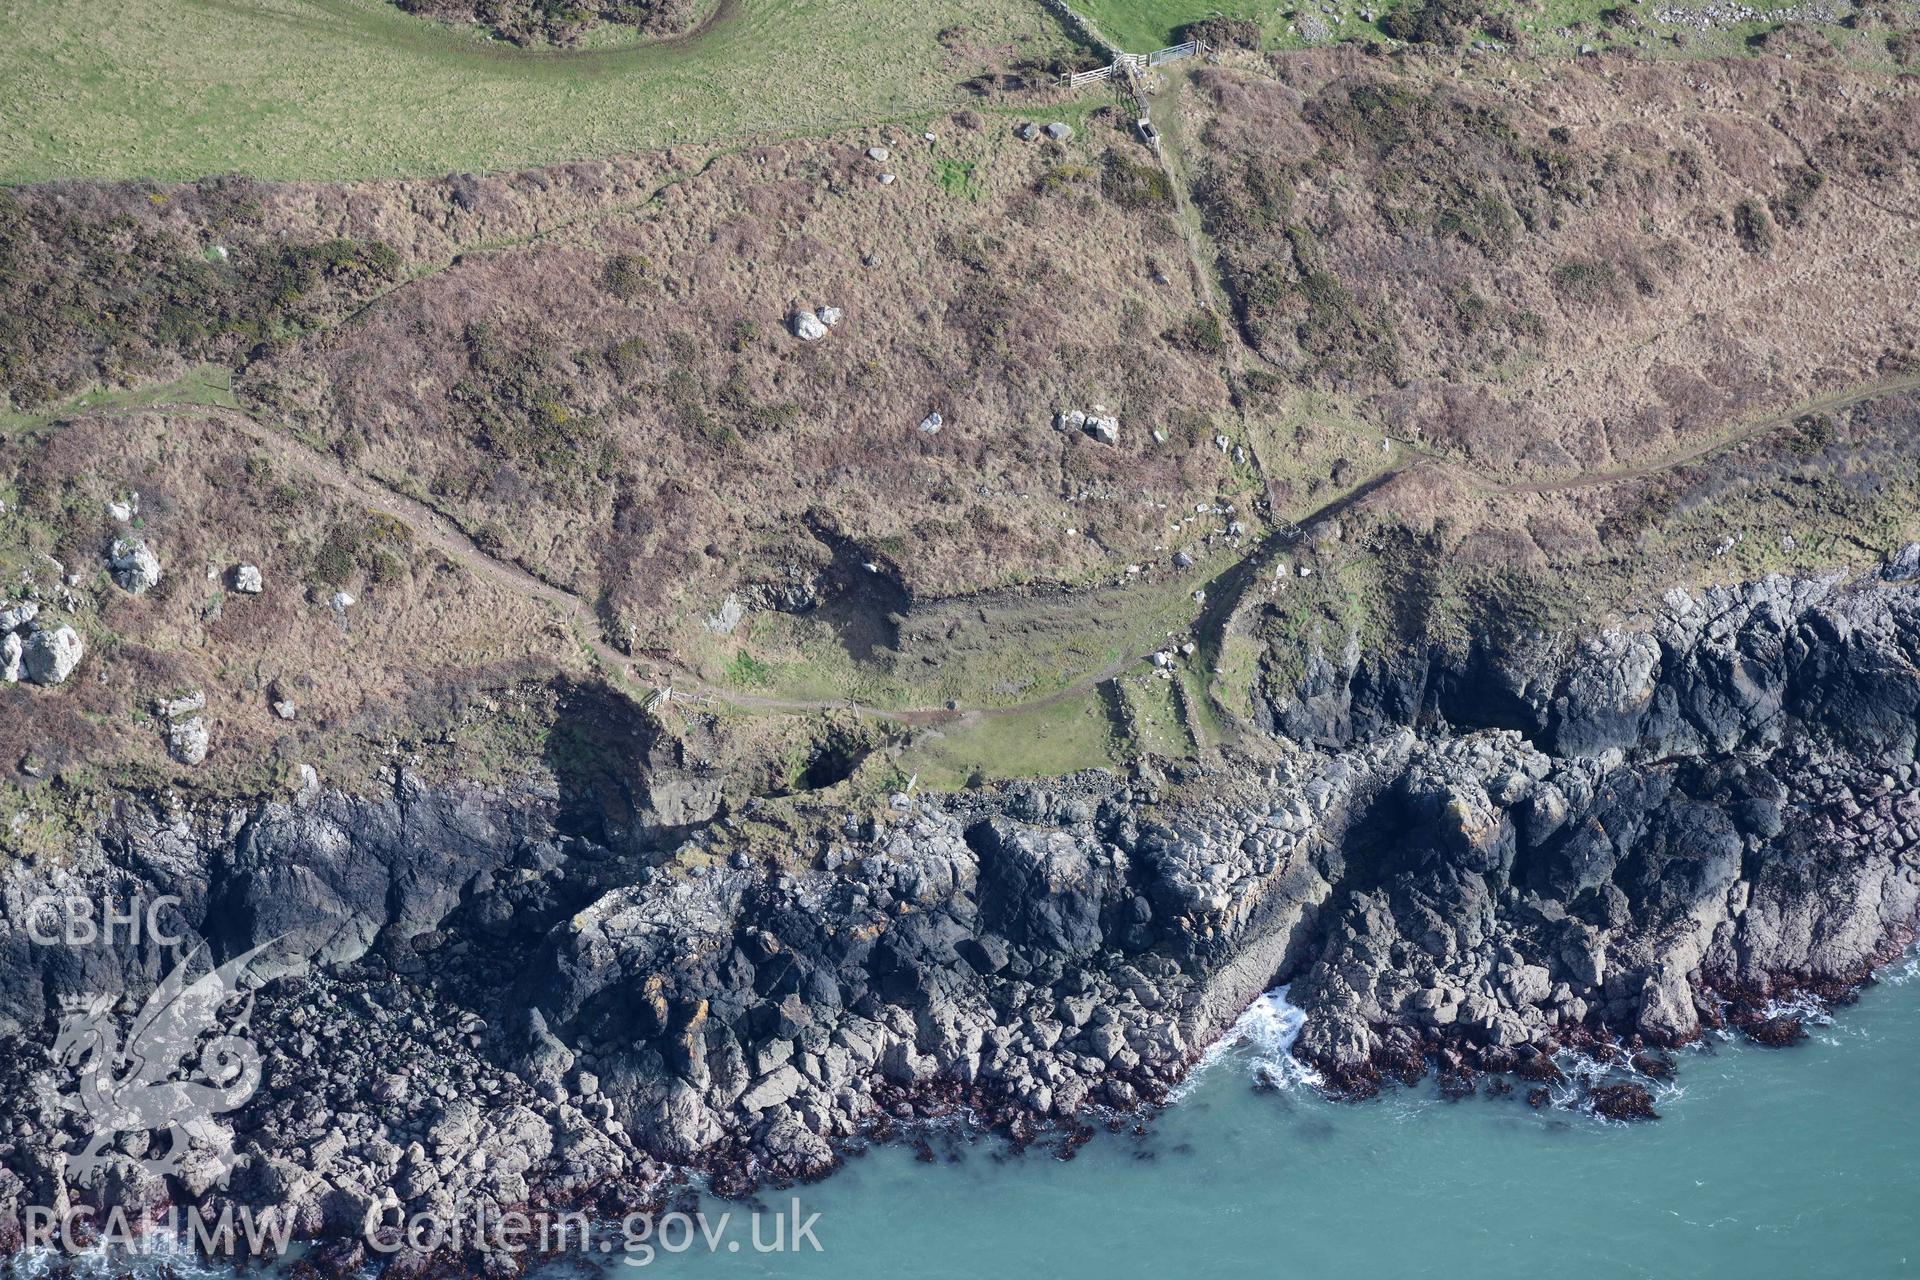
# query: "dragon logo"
{"points": [[185, 1059]]}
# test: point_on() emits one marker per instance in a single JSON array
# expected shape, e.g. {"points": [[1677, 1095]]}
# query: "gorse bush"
{"points": [[1200, 332], [1225, 33], [531, 22], [90, 298], [1448, 22], [1587, 281], [1134, 186], [626, 276]]}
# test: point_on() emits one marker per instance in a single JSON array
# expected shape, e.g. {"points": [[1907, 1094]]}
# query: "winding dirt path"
{"points": [[434, 529], [1600, 479]]}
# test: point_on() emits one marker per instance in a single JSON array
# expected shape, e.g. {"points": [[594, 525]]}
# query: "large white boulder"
{"points": [[247, 580], [49, 657]]}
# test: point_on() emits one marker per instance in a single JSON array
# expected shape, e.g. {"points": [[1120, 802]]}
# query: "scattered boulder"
{"points": [[831, 316], [49, 657], [134, 566], [187, 740], [878, 153], [247, 580], [342, 601], [1027, 131], [932, 423], [10, 650], [1059, 132], [286, 708], [15, 616], [886, 179], [185, 705], [807, 326], [1096, 422]]}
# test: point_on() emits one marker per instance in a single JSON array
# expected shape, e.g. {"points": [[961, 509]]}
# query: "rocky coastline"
{"points": [[1460, 861]]}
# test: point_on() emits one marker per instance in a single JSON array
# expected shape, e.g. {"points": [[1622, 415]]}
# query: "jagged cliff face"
{"points": [[1719, 800], [1471, 860]]}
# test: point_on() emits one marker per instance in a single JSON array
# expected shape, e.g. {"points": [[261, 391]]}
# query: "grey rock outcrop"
{"points": [[184, 705], [187, 740], [135, 568], [727, 617]]}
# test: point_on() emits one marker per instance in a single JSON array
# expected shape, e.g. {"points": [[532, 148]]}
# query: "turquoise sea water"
{"points": [[1799, 1162], [1790, 1163]]}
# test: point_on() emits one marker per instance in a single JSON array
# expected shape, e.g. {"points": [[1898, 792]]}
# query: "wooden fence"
{"points": [[1128, 64]]}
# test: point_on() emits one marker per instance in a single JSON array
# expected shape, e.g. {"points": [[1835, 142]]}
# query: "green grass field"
{"points": [[1048, 741], [289, 89], [339, 89]]}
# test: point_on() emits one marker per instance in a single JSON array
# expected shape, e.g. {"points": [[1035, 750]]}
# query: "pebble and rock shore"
{"points": [[1461, 862]]}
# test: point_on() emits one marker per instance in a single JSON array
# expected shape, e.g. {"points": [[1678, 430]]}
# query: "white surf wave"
{"points": [[1262, 1038], [1808, 1008], [1583, 1071], [1903, 970], [152, 1257]]}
